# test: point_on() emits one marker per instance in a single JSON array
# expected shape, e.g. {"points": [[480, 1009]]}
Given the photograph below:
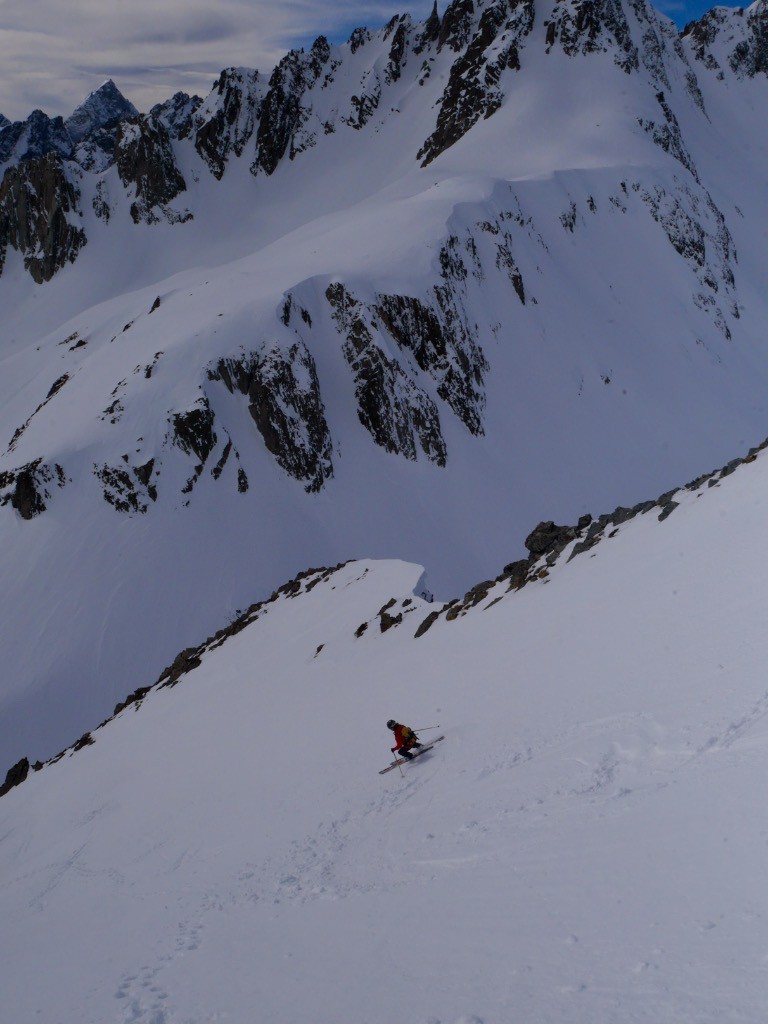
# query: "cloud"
{"points": [[53, 54]]}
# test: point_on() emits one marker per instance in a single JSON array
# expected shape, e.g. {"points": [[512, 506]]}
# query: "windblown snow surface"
{"points": [[588, 844]]}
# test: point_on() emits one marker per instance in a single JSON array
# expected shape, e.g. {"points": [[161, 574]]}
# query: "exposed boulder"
{"points": [[547, 538]]}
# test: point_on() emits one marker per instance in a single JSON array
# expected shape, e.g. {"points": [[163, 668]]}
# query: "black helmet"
{"points": [[391, 724]]}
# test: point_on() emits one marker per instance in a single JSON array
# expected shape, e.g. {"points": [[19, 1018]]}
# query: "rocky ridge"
{"points": [[731, 40], [478, 44]]}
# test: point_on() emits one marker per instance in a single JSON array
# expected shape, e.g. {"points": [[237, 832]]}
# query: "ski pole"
{"points": [[426, 728]]}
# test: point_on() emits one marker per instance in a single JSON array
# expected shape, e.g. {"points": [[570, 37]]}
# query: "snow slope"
{"points": [[587, 844], [612, 302]]}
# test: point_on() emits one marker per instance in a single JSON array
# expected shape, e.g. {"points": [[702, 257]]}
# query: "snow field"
{"points": [[587, 843]]}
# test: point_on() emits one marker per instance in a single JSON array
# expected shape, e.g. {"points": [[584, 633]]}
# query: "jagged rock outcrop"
{"points": [[29, 487], [227, 119], [35, 137], [456, 26], [15, 776], [282, 114], [668, 136], [284, 399], [400, 417], [39, 213], [448, 356], [103, 108], [474, 89], [177, 113], [148, 169], [734, 39], [430, 33], [593, 26]]}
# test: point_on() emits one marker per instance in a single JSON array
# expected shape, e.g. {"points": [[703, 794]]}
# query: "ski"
{"points": [[404, 760]]}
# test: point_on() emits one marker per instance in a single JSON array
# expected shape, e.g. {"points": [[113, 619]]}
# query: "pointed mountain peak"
{"points": [[104, 106], [4, 122]]}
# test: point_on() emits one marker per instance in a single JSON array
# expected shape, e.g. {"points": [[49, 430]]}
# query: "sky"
{"points": [[53, 61]]}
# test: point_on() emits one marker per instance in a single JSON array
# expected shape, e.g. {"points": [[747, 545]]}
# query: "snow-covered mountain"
{"points": [[401, 298], [587, 844]]}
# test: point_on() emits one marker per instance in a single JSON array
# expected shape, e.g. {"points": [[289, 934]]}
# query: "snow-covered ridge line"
{"points": [[344, 89], [548, 543], [548, 546], [187, 660]]}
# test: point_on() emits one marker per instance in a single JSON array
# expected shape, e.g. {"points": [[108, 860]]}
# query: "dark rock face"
{"points": [[147, 166], [177, 113], [702, 33], [749, 56], [119, 488], [456, 27], [430, 33], [15, 776], [104, 107], [38, 202], [228, 119], [35, 137], [668, 135], [398, 49], [592, 26], [281, 113], [358, 38], [284, 398], [9, 138], [473, 89], [29, 487], [547, 537], [193, 431], [398, 415], [440, 352]]}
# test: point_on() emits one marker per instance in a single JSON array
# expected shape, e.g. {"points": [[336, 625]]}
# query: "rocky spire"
{"points": [[104, 107]]}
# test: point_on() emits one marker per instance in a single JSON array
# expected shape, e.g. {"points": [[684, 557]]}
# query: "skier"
{"points": [[405, 739]]}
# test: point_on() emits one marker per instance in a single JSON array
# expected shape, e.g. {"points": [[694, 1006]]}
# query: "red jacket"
{"points": [[404, 737]]}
